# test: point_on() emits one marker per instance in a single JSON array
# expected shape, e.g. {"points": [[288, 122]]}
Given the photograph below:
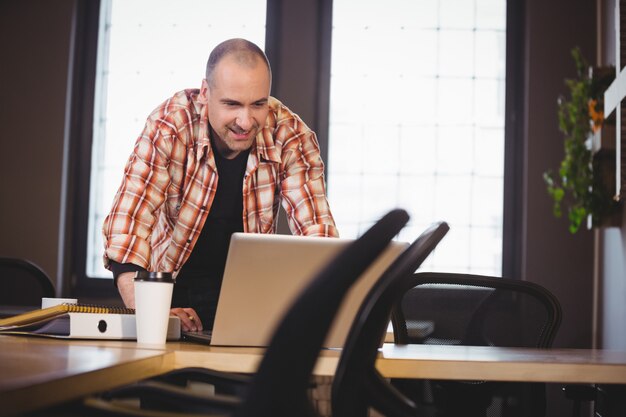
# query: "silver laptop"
{"points": [[263, 275]]}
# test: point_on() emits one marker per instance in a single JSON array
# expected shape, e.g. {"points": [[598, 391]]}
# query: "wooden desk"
{"points": [[37, 372], [503, 364], [442, 362]]}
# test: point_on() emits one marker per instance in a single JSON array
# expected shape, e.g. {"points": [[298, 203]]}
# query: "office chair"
{"points": [[22, 283], [279, 388], [472, 310], [358, 385]]}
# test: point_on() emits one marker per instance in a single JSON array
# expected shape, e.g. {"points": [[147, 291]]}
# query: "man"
{"points": [[208, 163]]}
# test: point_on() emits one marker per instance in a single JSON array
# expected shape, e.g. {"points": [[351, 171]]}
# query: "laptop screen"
{"points": [[263, 275]]}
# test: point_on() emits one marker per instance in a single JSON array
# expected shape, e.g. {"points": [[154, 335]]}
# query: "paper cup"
{"points": [[153, 297]]}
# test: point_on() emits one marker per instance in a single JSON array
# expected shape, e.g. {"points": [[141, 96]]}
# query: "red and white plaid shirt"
{"points": [[171, 178]]}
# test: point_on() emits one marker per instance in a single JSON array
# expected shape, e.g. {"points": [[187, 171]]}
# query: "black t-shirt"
{"points": [[199, 281]]}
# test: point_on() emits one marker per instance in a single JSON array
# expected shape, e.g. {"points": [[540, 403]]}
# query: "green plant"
{"points": [[579, 117]]}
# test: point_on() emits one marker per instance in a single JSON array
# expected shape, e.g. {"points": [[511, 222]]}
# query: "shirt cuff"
{"points": [[118, 269]]}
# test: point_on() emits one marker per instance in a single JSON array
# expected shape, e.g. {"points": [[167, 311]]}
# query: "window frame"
{"points": [[514, 149], [87, 17]]}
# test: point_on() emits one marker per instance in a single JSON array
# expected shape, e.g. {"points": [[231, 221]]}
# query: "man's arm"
{"points": [[123, 275], [127, 230], [304, 190], [126, 287]]}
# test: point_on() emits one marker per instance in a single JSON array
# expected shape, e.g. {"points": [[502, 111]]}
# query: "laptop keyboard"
{"points": [[202, 336]]}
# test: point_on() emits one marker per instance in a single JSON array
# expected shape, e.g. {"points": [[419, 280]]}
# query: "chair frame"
{"points": [[550, 302], [540, 294], [357, 384]]}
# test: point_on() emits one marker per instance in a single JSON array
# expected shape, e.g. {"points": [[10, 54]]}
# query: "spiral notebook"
{"points": [[80, 321]]}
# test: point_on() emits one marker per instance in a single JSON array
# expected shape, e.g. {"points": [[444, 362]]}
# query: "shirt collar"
{"points": [[203, 142], [265, 146]]}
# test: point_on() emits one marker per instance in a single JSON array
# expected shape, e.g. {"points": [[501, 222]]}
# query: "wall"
{"points": [[551, 256], [34, 46], [613, 296]]}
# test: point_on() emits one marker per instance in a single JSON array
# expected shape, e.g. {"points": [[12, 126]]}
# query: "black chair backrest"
{"points": [[22, 283], [279, 388], [357, 384], [474, 310]]}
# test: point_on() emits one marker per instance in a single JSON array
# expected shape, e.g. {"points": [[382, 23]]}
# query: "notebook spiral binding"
{"points": [[94, 308], [54, 311]]}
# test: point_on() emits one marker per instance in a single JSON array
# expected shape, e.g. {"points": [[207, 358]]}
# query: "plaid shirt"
{"points": [[171, 178]]}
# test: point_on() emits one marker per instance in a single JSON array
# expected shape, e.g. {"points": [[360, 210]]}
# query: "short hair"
{"points": [[245, 52]]}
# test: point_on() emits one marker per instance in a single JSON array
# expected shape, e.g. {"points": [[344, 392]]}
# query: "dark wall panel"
{"points": [[34, 46]]}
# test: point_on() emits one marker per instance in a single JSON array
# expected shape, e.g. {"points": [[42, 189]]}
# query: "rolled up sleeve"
{"points": [[303, 188], [128, 227]]}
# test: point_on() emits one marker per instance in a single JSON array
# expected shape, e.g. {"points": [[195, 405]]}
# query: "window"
{"points": [[148, 50], [417, 121]]}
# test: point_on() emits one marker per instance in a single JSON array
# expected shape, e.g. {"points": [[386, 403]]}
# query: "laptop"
{"points": [[263, 275]]}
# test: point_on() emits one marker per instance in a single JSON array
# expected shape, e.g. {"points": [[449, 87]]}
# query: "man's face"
{"points": [[238, 104]]}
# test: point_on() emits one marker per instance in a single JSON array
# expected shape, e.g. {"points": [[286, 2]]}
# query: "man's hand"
{"points": [[189, 319]]}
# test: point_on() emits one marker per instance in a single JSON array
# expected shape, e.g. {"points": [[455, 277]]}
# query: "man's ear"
{"points": [[203, 97]]}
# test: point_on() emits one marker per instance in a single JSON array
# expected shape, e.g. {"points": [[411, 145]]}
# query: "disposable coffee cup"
{"points": [[153, 297]]}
